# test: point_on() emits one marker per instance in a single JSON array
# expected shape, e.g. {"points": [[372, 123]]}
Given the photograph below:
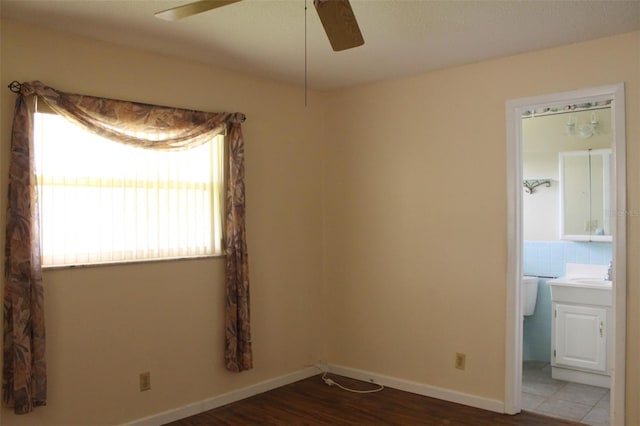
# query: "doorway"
{"points": [[515, 109]]}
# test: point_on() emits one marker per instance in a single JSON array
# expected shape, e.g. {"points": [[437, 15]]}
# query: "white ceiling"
{"points": [[402, 37]]}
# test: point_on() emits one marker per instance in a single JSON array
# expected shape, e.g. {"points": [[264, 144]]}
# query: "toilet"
{"points": [[529, 295]]}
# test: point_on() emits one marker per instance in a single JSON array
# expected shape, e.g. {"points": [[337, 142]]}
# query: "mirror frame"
{"points": [[606, 204]]}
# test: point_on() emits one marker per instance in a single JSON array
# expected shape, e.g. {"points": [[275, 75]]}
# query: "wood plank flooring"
{"points": [[312, 402]]}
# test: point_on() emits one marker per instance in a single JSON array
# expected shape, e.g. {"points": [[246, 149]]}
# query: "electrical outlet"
{"points": [[461, 359], [145, 381]]}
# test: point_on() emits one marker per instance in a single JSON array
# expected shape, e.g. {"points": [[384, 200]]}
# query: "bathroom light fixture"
{"points": [[585, 130], [572, 125], [564, 109], [531, 184]]}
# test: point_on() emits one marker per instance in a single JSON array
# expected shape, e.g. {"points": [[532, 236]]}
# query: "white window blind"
{"points": [[102, 201]]}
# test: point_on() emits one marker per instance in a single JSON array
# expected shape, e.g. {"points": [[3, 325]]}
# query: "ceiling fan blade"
{"points": [[339, 23], [190, 9]]}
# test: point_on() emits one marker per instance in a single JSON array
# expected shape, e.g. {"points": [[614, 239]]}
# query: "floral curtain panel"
{"points": [[24, 368], [24, 378], [238, 354]]}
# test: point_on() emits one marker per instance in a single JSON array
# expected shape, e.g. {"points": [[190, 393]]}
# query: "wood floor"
{"points": [[312, 402]]}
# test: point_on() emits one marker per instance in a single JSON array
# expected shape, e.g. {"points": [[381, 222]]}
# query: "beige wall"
{"points": [[105, 325], [376, 221], [416, 214]]}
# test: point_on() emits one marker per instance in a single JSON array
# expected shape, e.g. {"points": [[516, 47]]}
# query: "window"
{"points": [[103, 201]]}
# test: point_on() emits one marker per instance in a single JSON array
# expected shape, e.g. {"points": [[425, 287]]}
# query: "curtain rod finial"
{"points": [[15, 86]]}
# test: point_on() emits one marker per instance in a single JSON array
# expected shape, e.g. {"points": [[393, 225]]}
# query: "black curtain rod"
{"points": [[15, 87]]}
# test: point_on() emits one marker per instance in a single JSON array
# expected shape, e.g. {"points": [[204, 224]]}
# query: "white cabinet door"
{"points": [[580, 337]]}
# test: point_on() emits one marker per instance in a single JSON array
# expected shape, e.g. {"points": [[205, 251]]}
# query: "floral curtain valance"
{"points": [[144, 125], [24, 364]]}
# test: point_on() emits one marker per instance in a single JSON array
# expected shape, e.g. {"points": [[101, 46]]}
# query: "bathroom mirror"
{"points": [[585, 182]]}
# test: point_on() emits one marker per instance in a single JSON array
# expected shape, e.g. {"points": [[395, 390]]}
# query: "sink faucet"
{"points": [[609, 276]]}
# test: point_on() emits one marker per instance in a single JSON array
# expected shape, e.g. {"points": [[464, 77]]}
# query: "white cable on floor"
{"points": [[331, 382]]}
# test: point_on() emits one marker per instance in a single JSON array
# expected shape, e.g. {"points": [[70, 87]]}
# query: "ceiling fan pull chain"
{"points": [[305, 53]]}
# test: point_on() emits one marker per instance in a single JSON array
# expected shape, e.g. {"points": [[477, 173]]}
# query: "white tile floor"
{"points": [[556, 398]]}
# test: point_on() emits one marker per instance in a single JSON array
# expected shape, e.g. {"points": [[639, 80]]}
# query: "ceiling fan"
{"points": [[336, 16]]}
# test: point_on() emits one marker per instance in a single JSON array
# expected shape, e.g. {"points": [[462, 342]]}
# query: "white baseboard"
{"points": [[267, 385], [224, 399], [420, 388]]}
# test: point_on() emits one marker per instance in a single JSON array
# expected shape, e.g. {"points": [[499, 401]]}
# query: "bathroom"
{"points": [[556, 234]]}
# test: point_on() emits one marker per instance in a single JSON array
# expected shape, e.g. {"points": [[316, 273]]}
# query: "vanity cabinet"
{"points": [[580, 339], [581, 329]]}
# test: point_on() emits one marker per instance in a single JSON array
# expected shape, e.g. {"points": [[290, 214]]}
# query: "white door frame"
{"points": [[513, 355]]}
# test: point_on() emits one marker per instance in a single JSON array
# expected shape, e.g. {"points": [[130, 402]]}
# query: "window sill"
{"points": [[131, 262]]}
